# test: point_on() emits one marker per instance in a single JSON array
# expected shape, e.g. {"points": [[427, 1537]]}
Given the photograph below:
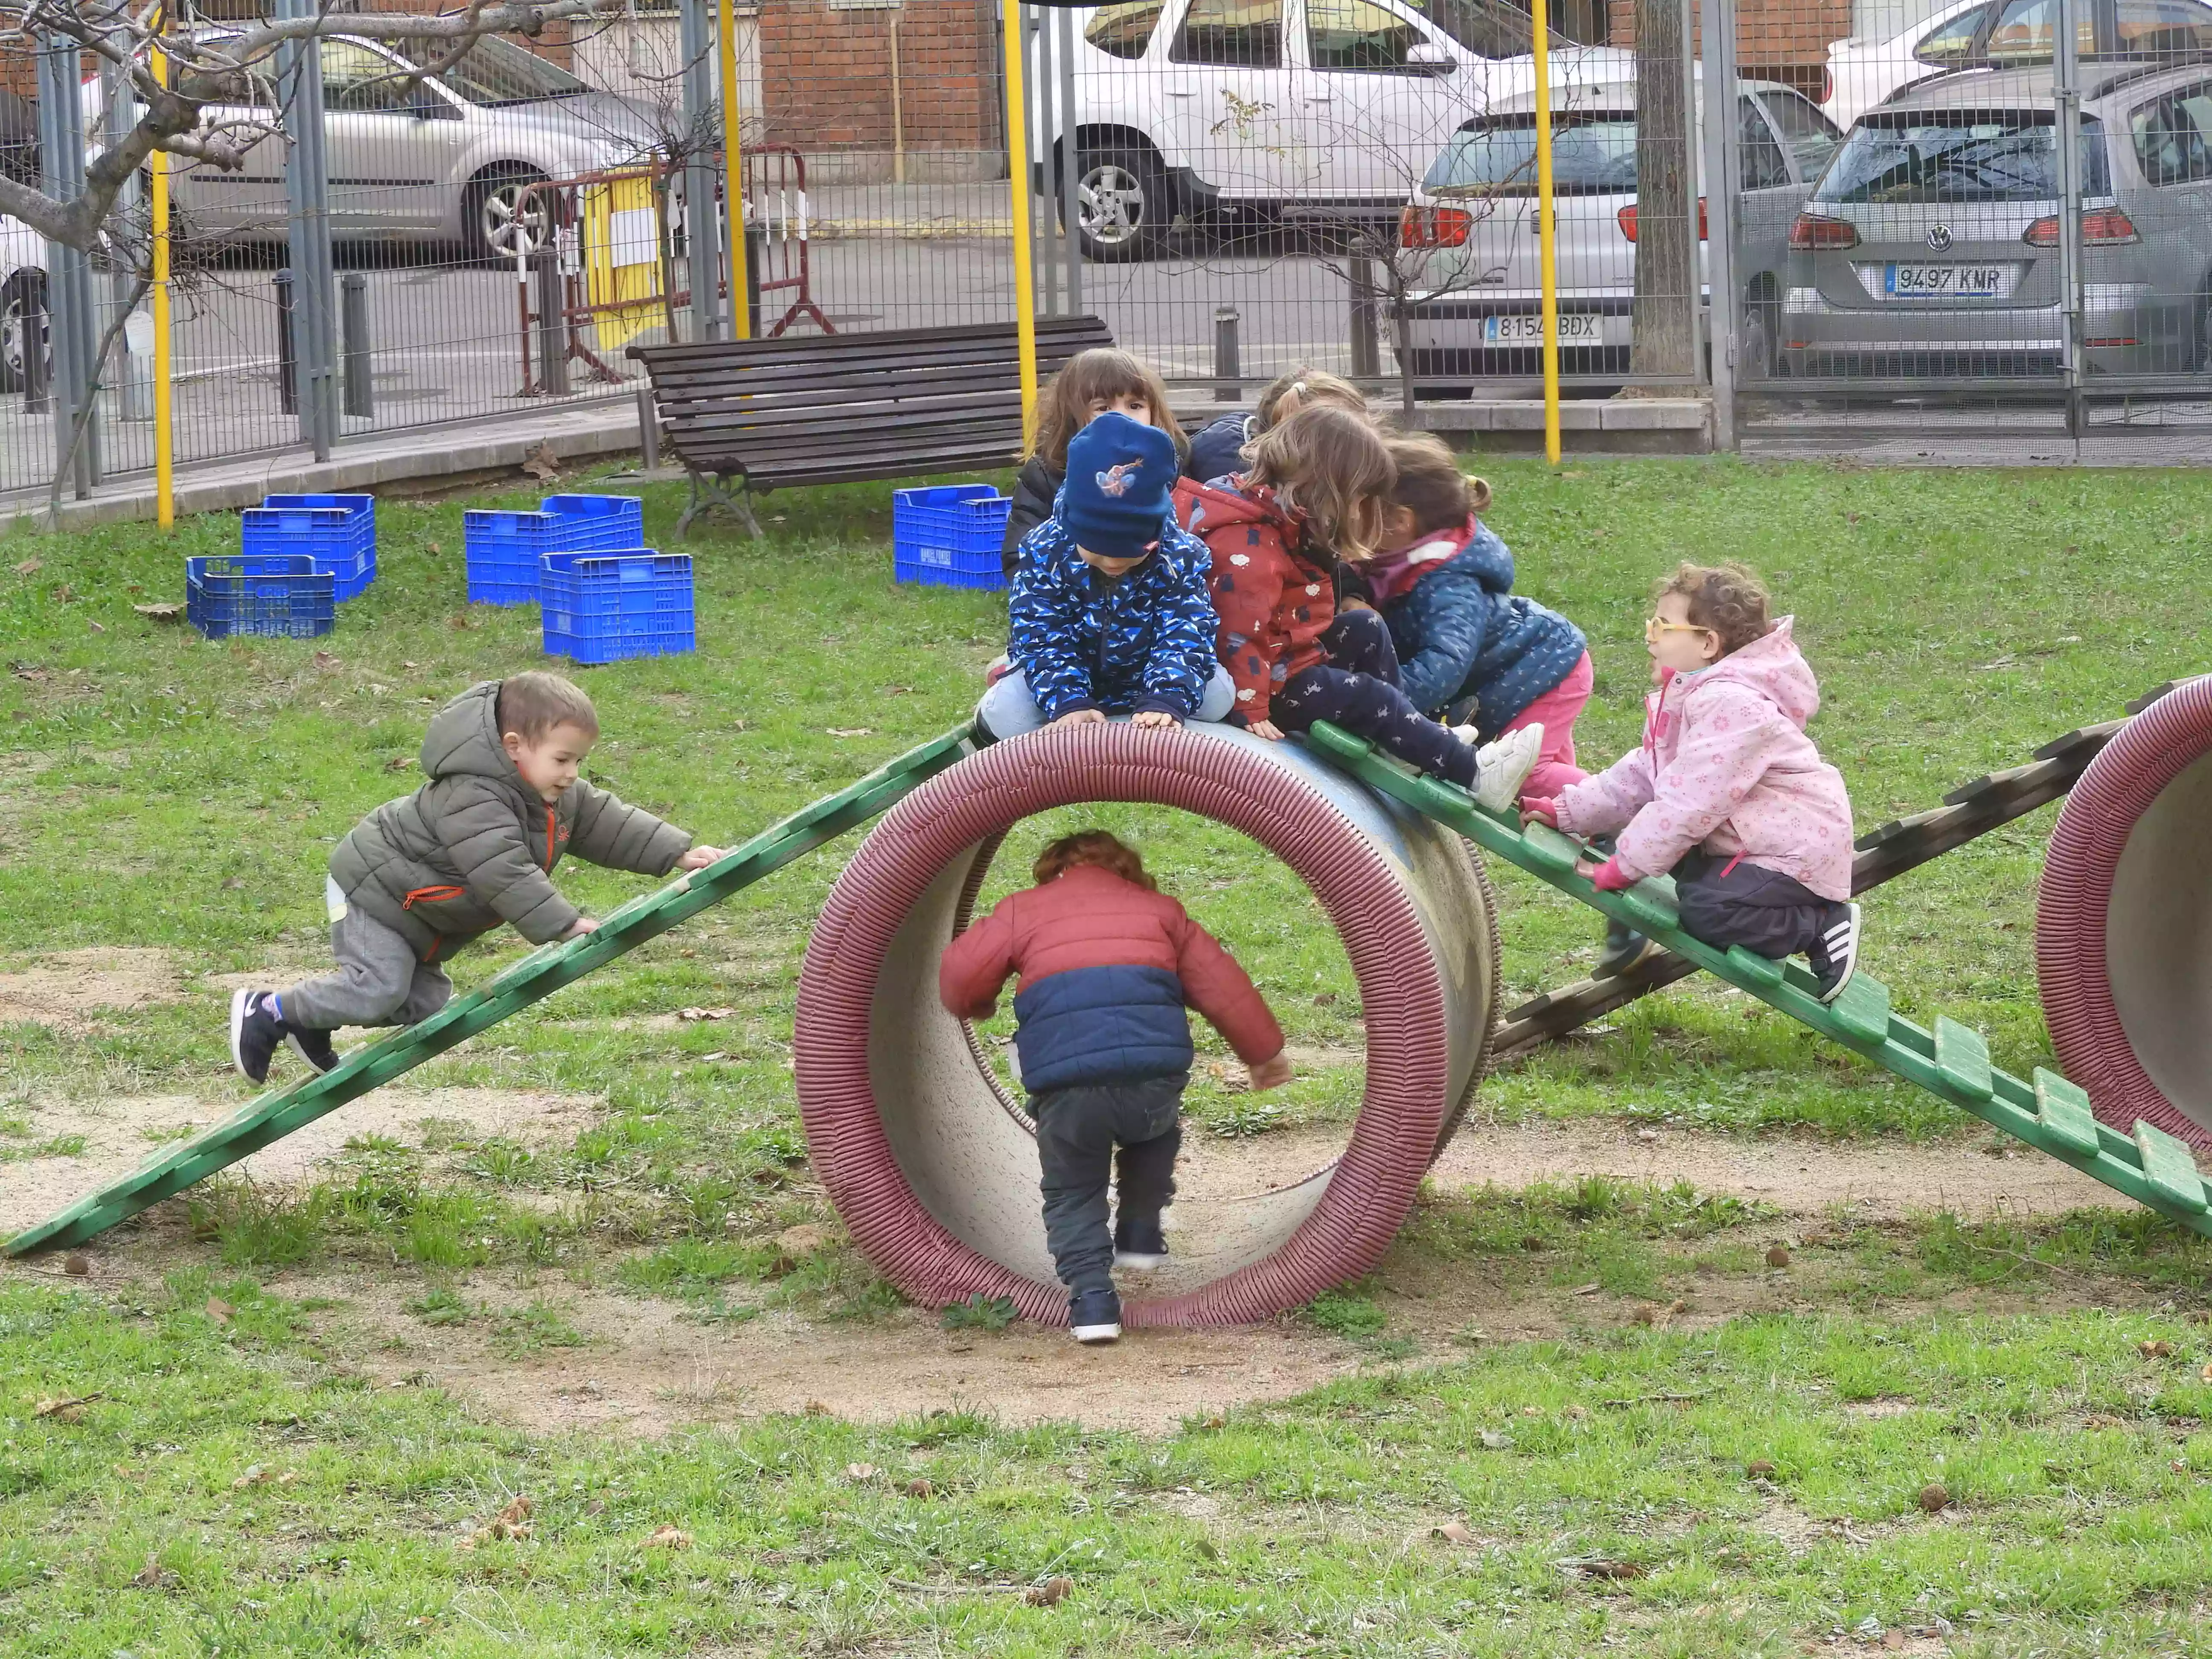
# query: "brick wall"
{"points": [[826, 75], [1777, 39]]}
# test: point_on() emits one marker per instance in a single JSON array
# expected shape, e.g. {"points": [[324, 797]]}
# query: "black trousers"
{"points": [[1728, 902], [1077, 1132], [1357, 688]]}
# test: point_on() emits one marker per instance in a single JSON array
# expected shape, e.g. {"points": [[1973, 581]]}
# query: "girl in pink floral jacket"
{"points": [[1726, 792]]}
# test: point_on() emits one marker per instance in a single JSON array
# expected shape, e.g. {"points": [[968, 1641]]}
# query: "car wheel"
{"points": [[1121, 205], [497, 221], [24, 296]]}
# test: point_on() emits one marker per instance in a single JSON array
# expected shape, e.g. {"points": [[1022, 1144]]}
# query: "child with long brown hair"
{"points": [[1107, 963], [1216, 449], [1313, 493], [1087, 386]]}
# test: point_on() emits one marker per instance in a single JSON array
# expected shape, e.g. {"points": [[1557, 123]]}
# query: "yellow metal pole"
{"points": [[734, 173], [1547, 233], [1018, 168], [157, 168]]}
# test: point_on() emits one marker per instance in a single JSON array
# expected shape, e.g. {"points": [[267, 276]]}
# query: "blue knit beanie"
{"points": [[1119, 492]]}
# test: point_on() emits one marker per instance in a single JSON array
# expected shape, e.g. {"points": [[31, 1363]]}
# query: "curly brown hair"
{"points": [[1098, 375], [1094, 846], [1332, 466], [1728, 598], [1309, 388]]}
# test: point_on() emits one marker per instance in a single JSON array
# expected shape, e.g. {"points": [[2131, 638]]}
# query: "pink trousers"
{"points": [[1556, 708]]}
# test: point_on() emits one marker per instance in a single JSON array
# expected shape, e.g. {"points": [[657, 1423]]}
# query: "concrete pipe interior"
{"points": [[928, 1152], [2124, 924]]}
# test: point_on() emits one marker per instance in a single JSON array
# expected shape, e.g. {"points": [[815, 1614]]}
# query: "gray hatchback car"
{"points": [[1930, 246]]}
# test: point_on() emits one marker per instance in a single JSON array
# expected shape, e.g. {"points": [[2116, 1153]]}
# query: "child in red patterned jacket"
{"points": [[1316, 491]]}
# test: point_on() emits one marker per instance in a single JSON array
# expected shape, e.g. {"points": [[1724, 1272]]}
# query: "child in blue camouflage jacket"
{"points": [[1110, 612]]}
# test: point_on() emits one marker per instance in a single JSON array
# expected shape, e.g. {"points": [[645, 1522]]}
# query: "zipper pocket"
{"points": [[431, 896]]}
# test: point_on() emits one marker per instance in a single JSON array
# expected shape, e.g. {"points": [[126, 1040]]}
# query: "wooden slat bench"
{"points": [[840, 408]]}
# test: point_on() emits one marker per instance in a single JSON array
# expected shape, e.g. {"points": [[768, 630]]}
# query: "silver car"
{"points": [[446, 158], [1931, 246], [1475, 310]]}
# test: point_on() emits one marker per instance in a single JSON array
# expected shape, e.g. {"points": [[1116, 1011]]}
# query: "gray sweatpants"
{"points": [[1077, 1132], [379, 980]]}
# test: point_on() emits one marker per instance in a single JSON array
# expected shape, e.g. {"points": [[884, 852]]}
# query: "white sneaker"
{"points": [[1505, 765]]}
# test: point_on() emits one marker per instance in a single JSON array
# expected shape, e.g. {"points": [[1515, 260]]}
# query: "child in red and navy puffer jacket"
{"points": [[1314, 492], [1108, 964]]}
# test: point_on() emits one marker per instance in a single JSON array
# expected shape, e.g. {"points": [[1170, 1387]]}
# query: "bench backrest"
{"points": [[819, 408]]}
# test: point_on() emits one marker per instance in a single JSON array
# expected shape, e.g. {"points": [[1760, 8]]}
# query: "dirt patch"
{"points": [[65, 990], [115, 1136], [1800, 1177]]}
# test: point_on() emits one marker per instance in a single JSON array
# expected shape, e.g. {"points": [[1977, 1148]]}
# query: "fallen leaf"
{"points": [[898, 690], [715, 1058], [257, 1474], [850, 731], [95, 628], [669, 1538], [816, 1408], [1590, 1288], [692, 1016], [1455, 1531], [1215, 1421], [1760, 1469], [289, 1478], [541, 463], [1325, 1000], [2155, 1350], [415, 665], [220, 1310], [232, 883], [63, 594], [2205, 1375], [2106, 1419], [1934, 1499], [153, 1574], [1049, 1594], [1495, 1440], [324, 660], [434, 548], [76, 1267], [160, 613], [1893, 1639], [736, 725], [30, 567], [919, 1487], [399, 764], [2180, 1465], [860, 1471], [1532, 1411], [461, 623], [68, 1407], [1647, 1315], [1594, 1569], [1778, 1256]]}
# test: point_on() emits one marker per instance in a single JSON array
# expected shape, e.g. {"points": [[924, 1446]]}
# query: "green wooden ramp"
{"points": [[1953, 1062], [544, 971]]}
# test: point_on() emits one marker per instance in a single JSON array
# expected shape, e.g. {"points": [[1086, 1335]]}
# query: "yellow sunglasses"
{"points": [[1655, 626]]}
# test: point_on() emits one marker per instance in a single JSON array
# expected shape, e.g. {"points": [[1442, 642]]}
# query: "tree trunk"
{"points": [[1663, 316]]}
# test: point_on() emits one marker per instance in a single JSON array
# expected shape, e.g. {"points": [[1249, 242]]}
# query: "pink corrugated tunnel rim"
{"points": [[2073, 908], [1376, 1180]]}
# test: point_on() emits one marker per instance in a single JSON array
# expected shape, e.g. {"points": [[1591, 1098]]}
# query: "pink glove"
{"points": [[1610, 878], [1539, 809]]}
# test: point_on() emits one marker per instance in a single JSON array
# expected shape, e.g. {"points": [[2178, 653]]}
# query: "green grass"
{"points": [[157, 790]]}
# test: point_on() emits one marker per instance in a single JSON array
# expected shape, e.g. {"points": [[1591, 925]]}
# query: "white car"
{"points": [[1190, 108], [2005, 34], [22, 292], [1475, 311]]}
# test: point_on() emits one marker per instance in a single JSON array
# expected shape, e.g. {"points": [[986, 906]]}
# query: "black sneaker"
{"points": [[1095, 1317], [1625, 948], [1835, 954], [313, 1047], [255, 1031], [1140, 1245]]}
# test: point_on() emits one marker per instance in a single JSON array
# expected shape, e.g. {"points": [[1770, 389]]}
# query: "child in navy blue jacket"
{"points": [[1108, 964], [1111, 612]]}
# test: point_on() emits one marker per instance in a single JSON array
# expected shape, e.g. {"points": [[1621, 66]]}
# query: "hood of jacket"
{"points": [[1484, 557], [1773, 667], [1203, 508], [463, 741]]}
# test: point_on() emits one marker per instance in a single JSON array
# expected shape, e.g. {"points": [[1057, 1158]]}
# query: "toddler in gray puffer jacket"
{"points": [[475, 847]]}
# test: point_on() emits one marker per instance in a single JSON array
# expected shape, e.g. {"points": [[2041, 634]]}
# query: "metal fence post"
{"points": [[287, 358], [756, 251], [1721, 168], [1366, 353], [38, 396], [1070, 207], [74, 327], [2066, 97], [552, 323], [648, 430], [360, 356], [1227, 369], [307, 194], [703, 233]]}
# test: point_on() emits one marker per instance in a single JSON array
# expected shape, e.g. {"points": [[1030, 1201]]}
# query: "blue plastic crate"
{"points": [[603, 607], [610, 524], [503, 550], [949, 535], [337, 532], [269, 594]]}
